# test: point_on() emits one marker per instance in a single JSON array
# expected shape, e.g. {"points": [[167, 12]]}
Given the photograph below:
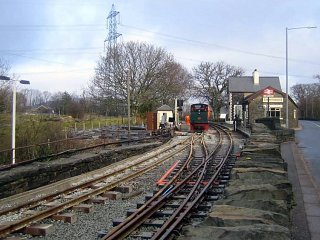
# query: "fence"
{"points": [[44, 149]]}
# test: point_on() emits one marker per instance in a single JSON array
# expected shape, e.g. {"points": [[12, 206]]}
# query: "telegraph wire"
{"points": [[219, 46], [34, 58], [197, 42]]}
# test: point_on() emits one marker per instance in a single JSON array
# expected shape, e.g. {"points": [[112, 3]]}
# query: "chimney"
{"points": [[255, 77]]}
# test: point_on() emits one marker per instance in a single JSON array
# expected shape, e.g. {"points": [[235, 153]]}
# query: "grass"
{"points": [[37, 127]]}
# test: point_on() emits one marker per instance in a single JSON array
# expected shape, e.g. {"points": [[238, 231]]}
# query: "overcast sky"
{"points": [[56, 43]]}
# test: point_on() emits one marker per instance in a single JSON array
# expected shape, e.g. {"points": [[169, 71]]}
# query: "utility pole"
{"points": [[175, 112], [128, 88]]}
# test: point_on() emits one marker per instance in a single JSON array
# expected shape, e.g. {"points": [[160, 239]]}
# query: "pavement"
{"points": [[306, 213]]}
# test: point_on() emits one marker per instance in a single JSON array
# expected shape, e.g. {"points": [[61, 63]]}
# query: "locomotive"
{"points": [[199, 117]]}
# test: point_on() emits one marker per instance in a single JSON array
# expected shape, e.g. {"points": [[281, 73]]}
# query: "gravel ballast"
{"points": [[88, 225]]}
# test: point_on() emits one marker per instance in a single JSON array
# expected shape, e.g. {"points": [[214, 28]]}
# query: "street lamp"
{"points": [[14, 99], [287, 91]]}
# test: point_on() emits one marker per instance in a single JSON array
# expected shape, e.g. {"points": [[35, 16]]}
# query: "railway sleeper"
{"points": [[148, 223], [224, 177], [39, 229], [117, 221], [214, 190], [226, 172], [154, 223], [199, 214], [159, 213], [204, 206], [223, 182], [179, 197], [211, 198], [170, 204], [197, 158], [142, 235], [65, 217], [174, 204]]}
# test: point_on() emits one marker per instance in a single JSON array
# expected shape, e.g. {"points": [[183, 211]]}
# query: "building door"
{"points": [[237, 110]]}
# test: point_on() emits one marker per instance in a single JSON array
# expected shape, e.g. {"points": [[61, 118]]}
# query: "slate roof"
{"points": [[245, 84], [164, 108]]}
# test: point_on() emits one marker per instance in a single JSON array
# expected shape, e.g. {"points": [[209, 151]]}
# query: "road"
{"points": [[308, 140]]}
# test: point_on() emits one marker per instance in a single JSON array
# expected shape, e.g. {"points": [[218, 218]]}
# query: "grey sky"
{"points": [[56, 43]]}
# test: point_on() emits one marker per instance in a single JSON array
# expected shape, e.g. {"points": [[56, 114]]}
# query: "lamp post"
{"points": [[14, 100], [287, 90]]}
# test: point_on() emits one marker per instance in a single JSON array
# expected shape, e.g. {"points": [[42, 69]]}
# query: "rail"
{"points": [[69, 146], [172, 187], [118, 174]]}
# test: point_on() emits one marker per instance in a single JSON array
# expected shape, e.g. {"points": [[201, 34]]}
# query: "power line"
{"points": [[49, 49], [49, 25], [112, 12], [48, 28], [33, 58], [58, 72], [220, 46]]}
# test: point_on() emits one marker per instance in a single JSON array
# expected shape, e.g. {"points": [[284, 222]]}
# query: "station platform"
{"points": [[306, 213]]}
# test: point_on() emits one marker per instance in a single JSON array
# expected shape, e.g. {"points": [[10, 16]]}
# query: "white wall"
{"points": [[159, 115]]}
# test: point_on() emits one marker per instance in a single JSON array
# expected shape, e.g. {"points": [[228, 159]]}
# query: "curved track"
{"points": [[196, 176]]}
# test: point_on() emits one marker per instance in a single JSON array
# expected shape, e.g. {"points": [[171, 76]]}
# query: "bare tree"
{"points": [[46, 96], [153, 75], [211, 82], [4, 87], [307, 97], [4, 67]]}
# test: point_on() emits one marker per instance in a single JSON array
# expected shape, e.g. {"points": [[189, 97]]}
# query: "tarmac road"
{"points": [[303, 158], [308, 140]]}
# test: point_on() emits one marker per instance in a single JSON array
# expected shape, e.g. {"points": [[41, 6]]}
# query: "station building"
{"points": [[253, 97]]}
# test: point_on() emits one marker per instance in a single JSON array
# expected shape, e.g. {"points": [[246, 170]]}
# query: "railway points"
{"points": [[222, 191]]}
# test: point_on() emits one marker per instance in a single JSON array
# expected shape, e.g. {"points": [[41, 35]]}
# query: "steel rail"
{"points": [[34, 202], [152, 205], [15, 226], [69, 151], [175, 220]]}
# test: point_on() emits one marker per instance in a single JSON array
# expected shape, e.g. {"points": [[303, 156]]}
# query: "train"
{"points": [[199, 117]]}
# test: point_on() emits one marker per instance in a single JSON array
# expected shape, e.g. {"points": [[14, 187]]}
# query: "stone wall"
{"points": [[37, 174], [282, 134], [258, 199]]}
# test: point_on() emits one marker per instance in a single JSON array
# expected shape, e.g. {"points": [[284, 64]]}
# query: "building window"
{"points": [[294, 114], [274, 112]]}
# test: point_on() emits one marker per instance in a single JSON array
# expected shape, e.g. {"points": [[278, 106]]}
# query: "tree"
{"points": [[307, 97], [211, 82], [67, 104], [5, 89], [153, 76]]}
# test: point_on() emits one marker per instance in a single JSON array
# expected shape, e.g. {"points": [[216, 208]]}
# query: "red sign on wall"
{"points": [[268, 92]]}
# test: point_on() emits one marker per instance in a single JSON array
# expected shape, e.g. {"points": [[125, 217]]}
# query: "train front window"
{"points": [[199, 108]]}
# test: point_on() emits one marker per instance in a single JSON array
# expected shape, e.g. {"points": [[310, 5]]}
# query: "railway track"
{"points": [[74, 151], [80, 190], [191, 183]]}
